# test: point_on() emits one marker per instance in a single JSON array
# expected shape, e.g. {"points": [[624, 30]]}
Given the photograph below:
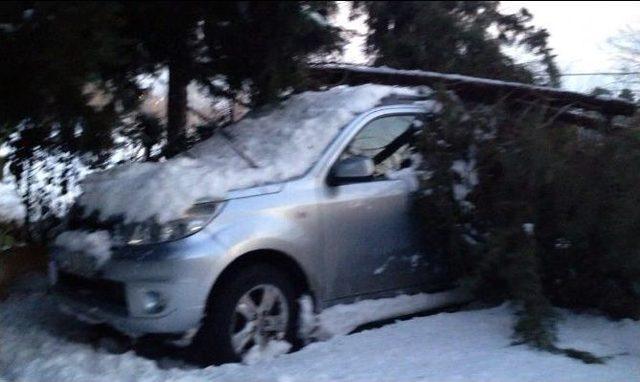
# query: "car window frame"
{"points": [[362, 125]]}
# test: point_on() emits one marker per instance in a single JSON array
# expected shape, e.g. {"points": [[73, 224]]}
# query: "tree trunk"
{"points": [[177, 98]]}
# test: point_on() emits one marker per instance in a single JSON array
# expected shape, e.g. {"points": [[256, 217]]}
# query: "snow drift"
{"points": [[284, 143], [342, 319], [37, 343]]}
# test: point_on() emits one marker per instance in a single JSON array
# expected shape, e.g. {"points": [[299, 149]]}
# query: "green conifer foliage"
{"points": [[536, 211]]}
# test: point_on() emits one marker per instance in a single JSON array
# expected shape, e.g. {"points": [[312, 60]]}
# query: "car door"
{"points": [[372, 243]]}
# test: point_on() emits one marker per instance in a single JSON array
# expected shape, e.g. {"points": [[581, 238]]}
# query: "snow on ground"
{"points": [[272, 350], [39, 344], [280, 144], [344, 318]]}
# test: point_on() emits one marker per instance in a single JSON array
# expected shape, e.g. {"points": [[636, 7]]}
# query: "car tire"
{"points": [[214, 343]]}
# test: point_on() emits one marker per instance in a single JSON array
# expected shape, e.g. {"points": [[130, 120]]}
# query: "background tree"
{"points": [[70, 74], [256, 47], [600, 91], [63, 85], [627, 46], [627, 94], [465, 37], [61, 71]]}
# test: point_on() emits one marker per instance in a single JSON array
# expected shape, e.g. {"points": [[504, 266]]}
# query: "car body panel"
{"points": [[349, 241]]}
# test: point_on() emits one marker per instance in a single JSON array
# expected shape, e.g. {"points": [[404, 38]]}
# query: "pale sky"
{"points": [[580, 31]]}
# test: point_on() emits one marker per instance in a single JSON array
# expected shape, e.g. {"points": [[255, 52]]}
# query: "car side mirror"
{"points": [[353, 169]]}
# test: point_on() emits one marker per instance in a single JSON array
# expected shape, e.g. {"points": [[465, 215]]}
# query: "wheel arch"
{"points": [[270, 257]]}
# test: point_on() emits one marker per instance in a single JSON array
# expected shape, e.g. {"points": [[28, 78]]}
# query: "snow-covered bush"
{"points": [[526, 209], [12, 213]]}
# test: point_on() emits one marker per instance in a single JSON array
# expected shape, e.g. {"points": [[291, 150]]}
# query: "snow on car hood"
{"points": [[284, 143]]}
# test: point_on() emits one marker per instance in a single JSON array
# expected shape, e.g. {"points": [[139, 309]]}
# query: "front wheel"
{"points": [[252, 313]]}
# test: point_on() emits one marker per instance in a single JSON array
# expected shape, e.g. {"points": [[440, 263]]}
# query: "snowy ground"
{"points": [[39, 344]]}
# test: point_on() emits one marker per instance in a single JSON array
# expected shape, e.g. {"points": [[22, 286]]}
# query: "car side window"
{"points": [[388, 141]]}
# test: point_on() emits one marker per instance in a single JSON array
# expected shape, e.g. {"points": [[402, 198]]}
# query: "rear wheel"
{"points": [[250, 311]]}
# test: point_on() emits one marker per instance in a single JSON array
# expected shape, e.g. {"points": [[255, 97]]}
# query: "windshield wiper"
{"points": [[229, 139]]}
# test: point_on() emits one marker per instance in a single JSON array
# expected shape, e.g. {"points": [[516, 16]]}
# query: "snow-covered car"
{"points": [[311, 197]]}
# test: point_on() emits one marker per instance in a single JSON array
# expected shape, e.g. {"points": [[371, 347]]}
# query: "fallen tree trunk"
{"points": [[471, 88]]}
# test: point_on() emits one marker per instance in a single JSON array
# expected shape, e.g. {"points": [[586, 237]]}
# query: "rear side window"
{"points": [[388, 141]]}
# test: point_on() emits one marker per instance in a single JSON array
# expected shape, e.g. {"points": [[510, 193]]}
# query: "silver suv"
{"points": [[342, 231]]}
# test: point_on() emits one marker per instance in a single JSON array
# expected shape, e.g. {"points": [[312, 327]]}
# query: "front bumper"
{"points": [[174, 322], [181, 272]]}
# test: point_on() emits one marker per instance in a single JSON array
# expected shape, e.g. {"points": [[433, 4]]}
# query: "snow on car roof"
{"points": [[284, 143]]}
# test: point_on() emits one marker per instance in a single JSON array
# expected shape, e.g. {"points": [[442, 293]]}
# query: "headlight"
{"points": [[195, 219]]}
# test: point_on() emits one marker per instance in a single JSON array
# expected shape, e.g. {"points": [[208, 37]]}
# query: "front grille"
{"points": [[98, 291]]}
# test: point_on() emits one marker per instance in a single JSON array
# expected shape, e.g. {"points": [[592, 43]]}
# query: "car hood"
{"points": [[254, 191]]}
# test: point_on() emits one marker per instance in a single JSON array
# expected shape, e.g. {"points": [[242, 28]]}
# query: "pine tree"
{"points": [[69, 71], [599, 91], [63, 83], [464, 37], [259, 45], [549, 221], [627, 94], [61, 67]]}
